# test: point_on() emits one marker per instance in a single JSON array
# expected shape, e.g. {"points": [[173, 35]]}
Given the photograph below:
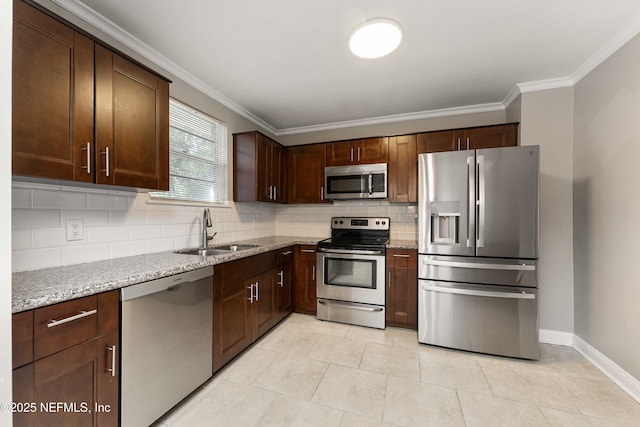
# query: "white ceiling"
{"points": [[287, 63]]}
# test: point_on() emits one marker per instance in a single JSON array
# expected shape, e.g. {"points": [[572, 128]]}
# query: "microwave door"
{"points": [[507, 210], [446, 203]]}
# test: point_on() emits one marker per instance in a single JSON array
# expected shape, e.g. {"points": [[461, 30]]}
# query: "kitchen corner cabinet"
{"points": [[68, 352], [244, 304], [468, 139], [304, 280], [284, 282], [403, 169], [306, 173], [258, 169], [357, 151], [66, 89], [402, 288]]}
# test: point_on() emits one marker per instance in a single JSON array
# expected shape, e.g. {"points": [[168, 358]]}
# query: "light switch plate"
{"points": [[75, 229]]}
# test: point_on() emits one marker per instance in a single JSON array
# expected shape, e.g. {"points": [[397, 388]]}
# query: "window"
{"points": [[197, 156]]}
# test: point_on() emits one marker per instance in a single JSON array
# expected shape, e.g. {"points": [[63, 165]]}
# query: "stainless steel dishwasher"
{"points": [[167, 333]]}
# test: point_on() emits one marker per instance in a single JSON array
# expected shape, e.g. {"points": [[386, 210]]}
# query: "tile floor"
{"points": [[311, 373]]}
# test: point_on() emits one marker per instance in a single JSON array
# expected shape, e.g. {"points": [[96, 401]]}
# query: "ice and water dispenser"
{"points": [[445, 223]]}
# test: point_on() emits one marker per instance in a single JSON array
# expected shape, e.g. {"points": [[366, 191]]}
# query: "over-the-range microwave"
{"points": [[356, 182]]}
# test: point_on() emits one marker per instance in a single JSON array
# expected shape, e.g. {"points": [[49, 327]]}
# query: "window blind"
{"points": [[197, 156]]}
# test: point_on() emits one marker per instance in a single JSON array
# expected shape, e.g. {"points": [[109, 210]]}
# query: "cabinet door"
{"points": [[132, 124], [304, 289], [52, 98], [106, 407], [372, 150], [278, 173], [22, 338], [284, 276], [403, 169], [264, 150], [491, 136], [340, 153], [433, 142], [231, 314], [70, 376], [306, 173], [263, 305], [402, 288]]}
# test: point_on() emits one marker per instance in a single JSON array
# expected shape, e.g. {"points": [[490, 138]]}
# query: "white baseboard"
{"points": [[618, 375], [548, 336]]}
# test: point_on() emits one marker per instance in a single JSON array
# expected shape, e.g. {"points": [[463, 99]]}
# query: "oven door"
{"points": [[351, 275]]}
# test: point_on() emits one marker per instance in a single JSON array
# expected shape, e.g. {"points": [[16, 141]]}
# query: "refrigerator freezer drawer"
{"points": [[490, 271], [486, 319]]}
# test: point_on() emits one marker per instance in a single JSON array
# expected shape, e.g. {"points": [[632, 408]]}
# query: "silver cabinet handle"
{"points": [[389, 279], [251, 294], [401, 256], [82, 314], [481, 266], [467, 143], [459, 144], [322, 193], [348, 305], [352, 154], [310, 251], [106, 161], [491, 294], [281, 278], [88, 150], [358, 153], [481, 202], [257, 290], [286, 253], [313, 272], [112, 349], [275, 192]]}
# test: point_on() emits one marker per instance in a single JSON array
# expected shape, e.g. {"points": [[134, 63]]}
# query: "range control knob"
{"points": [[377, 222], [384, 222]]}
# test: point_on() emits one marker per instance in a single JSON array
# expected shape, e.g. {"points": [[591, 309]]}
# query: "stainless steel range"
{"points": [[351, 271]]}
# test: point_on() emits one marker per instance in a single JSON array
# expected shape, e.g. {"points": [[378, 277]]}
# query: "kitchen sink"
{"points": [[216, 250]]}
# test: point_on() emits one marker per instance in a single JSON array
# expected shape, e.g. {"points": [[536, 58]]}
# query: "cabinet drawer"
{"points": [[284, 256], [63, 325], [261, 263]]}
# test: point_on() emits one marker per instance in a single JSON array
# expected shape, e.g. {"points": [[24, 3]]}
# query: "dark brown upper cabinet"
{"points": [[306, 173], [468, 139], [357, 151], [258, 169], [82, 112], [403, 169]]}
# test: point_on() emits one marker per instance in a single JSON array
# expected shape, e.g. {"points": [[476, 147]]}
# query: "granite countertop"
{"points": [[38, 288]]}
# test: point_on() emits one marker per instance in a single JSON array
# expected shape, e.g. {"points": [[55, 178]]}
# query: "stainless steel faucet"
{"points": [[206, 223]]}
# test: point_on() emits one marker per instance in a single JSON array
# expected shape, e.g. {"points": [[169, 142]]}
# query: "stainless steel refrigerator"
{"points": [[478, 250]]}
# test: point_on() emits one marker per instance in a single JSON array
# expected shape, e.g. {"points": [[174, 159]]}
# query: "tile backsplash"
{"points": [[121, 223]]}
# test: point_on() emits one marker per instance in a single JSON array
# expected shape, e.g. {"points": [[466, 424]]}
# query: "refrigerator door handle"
{"points": [[471, 197], [491, 294], [480, 217], [482, 266]]}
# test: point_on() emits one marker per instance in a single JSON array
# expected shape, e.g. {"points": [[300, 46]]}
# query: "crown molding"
{"points": [[444, 112], [611, 47], [130, 41]]}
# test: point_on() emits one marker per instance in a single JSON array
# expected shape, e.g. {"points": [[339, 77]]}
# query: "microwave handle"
{"points": [[370, 183]]}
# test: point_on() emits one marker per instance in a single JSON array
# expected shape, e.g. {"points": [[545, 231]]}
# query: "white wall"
{"points": [[546, 119], [6, 24], [117, 224], [607, 207]]}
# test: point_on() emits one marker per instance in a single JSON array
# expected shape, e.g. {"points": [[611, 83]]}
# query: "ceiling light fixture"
{"points": [[375, 38]]}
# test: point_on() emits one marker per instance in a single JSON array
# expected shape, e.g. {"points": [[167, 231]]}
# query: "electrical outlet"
{"points": [[75, 229]]}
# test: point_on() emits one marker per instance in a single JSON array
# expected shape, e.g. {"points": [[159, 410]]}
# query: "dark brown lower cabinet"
{"points": [[304, 280], [284, 282], [402, 288], [246, 304], [77, 385]]}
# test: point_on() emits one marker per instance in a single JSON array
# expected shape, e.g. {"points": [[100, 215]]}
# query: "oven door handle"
{"points": [[350, 251], [348, 305]]}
